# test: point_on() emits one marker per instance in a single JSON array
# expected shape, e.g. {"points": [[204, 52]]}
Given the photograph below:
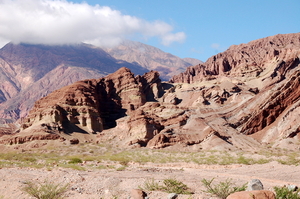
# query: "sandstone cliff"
{"points": [[90, 106]]}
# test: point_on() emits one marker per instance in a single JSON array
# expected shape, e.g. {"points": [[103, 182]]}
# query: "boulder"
{"points": [[255, 194], [172, 196], [255, 184], [138, 194], [74, 141]]}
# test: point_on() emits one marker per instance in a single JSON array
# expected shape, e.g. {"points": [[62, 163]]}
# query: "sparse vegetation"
{"points": [[170, 185], [222, 189], [75, 161], [175, 186], [46, 190], [70, 156], [150, 185], [286, 193], [291, 159]]}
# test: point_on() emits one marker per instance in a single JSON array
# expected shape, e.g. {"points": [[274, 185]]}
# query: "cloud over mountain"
{"points": [[63, 22]]}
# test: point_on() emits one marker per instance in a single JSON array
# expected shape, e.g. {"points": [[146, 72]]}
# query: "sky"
{"points": [[185, 28]]}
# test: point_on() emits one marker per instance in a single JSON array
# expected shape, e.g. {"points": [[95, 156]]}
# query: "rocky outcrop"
{"points": [[91, 106], [282, 99], [250, 59], [9, 140]]}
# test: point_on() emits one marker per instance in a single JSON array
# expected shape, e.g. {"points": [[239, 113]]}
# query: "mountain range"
{"points": [[244, 98]]}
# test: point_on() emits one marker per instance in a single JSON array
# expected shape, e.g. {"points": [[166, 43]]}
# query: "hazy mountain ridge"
{"points": [[151, 58]]}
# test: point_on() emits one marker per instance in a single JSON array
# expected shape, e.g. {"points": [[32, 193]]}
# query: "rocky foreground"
{"points": [[110, 183], [241, 99]]}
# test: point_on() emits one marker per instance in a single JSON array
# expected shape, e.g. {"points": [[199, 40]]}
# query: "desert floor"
{"points": [[110, 183]]}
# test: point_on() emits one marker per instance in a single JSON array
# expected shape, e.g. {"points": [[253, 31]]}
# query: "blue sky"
{"points": [[190, 28], [211, 26]]}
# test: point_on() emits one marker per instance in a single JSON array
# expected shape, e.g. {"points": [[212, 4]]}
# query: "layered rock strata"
{"points": [[90, 106]]}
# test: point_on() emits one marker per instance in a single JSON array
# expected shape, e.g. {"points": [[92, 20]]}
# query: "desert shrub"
{"points": [[286, 193], [175, 186], [75, 161], [150, 185], [222, 189], [169, 185], [46, 190]]}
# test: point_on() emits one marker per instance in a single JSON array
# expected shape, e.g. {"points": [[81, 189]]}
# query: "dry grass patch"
{"points": [[47, 190], [169, 185]]}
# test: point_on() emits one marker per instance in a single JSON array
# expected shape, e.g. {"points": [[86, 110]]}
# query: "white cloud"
{"points": [[63, 22], [167, 39]]}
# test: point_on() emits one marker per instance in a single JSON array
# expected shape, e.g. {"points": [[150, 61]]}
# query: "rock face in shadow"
{"points": [[247, 102]]}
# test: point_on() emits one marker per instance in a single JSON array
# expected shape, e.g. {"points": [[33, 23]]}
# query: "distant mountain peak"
{"points": [[151, 58]]}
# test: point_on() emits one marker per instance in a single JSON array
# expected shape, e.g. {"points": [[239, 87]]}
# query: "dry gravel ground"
{"points": [[110, 183]]}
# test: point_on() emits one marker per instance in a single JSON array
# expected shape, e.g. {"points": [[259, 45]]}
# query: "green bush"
{"points": [[150, 185], [75, 161], [169, 186], [45, 191], [223, 189], [175, 186], [286, 193]]}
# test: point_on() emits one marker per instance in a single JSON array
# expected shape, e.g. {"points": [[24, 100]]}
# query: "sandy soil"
{"points": [[109, 183]]}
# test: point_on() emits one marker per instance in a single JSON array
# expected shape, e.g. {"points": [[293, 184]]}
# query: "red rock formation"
{"points": [[92, 105], [283, 96], [246, 59], [16, 139]]}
